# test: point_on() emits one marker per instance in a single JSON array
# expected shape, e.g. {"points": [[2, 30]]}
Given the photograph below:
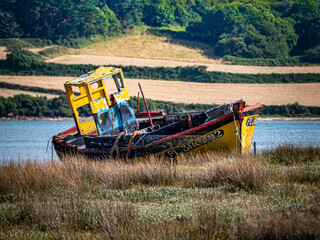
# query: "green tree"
{"points": [[3, 111], [159, 13], [9, 26], [11, 106], [16, 45], [60, 19], [306, 15], [129, 12], [112, 24], [245, 30]]}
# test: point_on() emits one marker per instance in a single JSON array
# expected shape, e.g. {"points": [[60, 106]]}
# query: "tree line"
{"points": [[26, 105], [245, 29]]}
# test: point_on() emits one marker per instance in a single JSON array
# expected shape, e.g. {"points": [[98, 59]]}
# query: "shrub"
{"points": [[23, 59], [312, 55], [287, 61], [54, 51]]}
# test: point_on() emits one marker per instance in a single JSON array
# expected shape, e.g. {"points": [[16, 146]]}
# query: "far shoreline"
{"points": [[21, 118]]}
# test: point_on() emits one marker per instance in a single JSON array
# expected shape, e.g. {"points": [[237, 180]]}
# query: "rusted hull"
{"points": [[232, 131]]}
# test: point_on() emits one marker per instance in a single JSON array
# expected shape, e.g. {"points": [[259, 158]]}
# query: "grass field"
{"points": [[10, 93], [204, 93], [152, 47], [153, 51], [274, 195], [145, 62]]}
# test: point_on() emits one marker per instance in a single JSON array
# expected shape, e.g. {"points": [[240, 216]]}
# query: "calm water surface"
{"points": [[23, 140]]}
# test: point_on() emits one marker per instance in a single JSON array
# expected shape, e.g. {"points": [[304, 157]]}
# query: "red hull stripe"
{"points": [[67, 132]]}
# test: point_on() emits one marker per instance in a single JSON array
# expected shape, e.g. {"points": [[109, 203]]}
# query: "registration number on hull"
{"points": [[198, 142]]}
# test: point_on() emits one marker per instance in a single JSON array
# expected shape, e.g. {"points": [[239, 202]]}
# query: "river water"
{"points": [[28, 140]]}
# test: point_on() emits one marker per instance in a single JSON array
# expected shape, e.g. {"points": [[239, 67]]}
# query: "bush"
{"points": [[23, 59], [54, 51], [16, 45], [287, 61], [312, 55]]}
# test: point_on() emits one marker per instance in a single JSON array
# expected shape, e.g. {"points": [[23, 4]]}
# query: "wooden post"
{"points": [[255, 148], [138, 102]]}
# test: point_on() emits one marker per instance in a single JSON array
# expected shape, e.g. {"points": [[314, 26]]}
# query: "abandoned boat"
{"points": [[113, 130]]}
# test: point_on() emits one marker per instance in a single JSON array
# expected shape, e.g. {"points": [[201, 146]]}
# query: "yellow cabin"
{"points": [[103, 91]]}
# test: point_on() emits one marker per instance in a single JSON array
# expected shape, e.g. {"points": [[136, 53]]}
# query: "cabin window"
{"points": [[84, 111], [76, 91], [94, 85], [118, 81], [114, 84]]}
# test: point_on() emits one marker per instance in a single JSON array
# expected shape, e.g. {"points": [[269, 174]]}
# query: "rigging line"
{"points": [[139, 139], [48, 144], [237, 132], [51, 152]]}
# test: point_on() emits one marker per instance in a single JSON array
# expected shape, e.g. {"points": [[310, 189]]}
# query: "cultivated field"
{"points": [[205, 93], [11, 92], [144, 62]]}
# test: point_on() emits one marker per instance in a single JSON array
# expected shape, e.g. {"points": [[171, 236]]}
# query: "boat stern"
{"points": [[248, 124]]}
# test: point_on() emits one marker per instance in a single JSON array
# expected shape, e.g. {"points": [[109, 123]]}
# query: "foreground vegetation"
{"points": [[274, 195]]}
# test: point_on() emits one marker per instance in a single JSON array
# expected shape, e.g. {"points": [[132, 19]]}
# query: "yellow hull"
{"points": [[237, 136]]}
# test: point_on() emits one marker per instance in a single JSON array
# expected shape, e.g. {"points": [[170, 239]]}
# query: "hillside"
{"points": [[147, 50]]}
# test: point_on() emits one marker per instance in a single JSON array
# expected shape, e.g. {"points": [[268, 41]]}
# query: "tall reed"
{"points": [[76, 172]]}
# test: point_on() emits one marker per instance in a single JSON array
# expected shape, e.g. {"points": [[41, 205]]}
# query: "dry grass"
{"points": [[151, 47], [246, 173], [209, 196], [3, 53], [154, 62], [37, 81], [153, 51], [279, 225], [215, 170], [205, 93]]}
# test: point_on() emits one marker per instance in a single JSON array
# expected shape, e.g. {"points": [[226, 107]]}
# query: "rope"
{"points": [[140, 139], [115, 145], [130, 142], [237, 132], [48, 144]]}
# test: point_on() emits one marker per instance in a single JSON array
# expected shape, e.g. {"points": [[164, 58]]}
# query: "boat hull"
{"points": [[230, 132]]}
